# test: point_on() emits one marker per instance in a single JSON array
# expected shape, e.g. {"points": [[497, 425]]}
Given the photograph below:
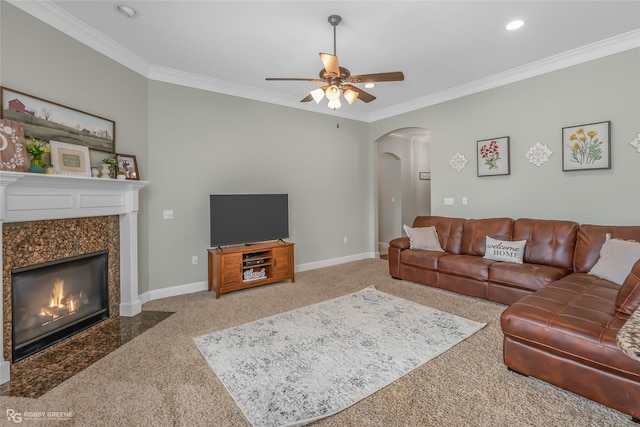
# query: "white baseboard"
{"points": [[334, 261], [190, 288], [173, 291]]}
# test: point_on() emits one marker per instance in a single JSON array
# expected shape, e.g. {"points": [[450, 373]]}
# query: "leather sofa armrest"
{"points": [[628, 299], [400, 243]]}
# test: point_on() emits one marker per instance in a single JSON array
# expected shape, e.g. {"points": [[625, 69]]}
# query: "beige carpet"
{"points": [[161, 379]]}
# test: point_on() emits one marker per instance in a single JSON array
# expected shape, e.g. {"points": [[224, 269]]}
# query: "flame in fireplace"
{"points": [[60, 305], [58, 294]]}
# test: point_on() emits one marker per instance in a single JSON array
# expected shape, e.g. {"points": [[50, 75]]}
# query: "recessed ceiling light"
{"points": [[369, 85], [126, 11], [514, 25]]}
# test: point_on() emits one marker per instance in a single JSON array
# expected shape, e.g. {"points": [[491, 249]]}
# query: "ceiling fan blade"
{"points": [[307, 98], [330, 63], [395, 76], [302, 79], [362, 95]]}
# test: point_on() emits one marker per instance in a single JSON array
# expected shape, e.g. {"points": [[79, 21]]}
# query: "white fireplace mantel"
{"points": [[35, 197]]}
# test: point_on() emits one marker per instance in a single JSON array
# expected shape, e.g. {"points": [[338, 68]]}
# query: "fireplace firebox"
{"points": [[57, 299]]}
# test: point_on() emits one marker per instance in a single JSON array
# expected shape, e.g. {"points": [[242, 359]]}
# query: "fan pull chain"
{"points": [[337, 120]]}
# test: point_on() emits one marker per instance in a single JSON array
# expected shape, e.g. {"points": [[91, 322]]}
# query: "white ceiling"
{"points": [[446, 49]]}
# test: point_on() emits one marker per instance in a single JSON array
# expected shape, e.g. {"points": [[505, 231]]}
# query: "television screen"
{"points": [[248, 218]]}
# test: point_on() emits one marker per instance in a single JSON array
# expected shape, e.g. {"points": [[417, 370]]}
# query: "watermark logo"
{"points": [[18, 417], [14, 416]]}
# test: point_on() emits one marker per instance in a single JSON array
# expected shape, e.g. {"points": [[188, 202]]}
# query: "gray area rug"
{"points": [[303, 365]]}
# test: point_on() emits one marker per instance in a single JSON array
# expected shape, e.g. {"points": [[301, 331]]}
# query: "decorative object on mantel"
{"points": [[120, 175], [105, 172], [493, 156], [108, 167], [538, 154], [44, 119], [37, 148], [635, 142], [458, 162], [13, 155], [70, 159], [127, 163], [95, 172], [586, 146]]}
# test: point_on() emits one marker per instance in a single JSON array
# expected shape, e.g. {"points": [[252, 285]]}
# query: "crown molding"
{"points": [[53, 15], [198, 81], [600, 49], [47, 12]]}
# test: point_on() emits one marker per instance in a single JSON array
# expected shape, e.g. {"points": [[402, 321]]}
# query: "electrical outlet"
{"points": [[346, 240], [168, 214], [464, 201], [194, 259], [448, 200]]}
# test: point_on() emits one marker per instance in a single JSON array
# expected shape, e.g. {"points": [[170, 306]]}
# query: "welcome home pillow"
{"points": [[425, 238], [616, 259], [507, 251]]}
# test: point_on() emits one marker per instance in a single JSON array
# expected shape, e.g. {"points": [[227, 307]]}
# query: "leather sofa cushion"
{"points": [[576, 318], [471, 267], [449, 230], [421, 259], [628, 299], [591, 238], [549, 242], [526, 276], [475, 232]]}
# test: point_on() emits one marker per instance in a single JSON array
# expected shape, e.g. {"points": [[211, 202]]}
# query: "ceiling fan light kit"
{"points": [[337, 79]]}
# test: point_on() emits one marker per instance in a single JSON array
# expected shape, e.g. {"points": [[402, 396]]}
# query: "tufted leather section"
{"points": [[422, 259], [525, 276], [549, 242], [472, 267], [591, 238], [475, 232], [449, 230], [628, 299], [574, 317]]}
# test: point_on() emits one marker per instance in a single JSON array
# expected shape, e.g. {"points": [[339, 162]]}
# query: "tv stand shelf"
{"points": [[240, 267]]}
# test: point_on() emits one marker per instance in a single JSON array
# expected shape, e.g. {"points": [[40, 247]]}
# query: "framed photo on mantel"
{"points": [[127, 163]]}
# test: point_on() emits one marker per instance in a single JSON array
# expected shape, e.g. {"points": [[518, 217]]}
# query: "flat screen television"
{"points": [[248, 218]]}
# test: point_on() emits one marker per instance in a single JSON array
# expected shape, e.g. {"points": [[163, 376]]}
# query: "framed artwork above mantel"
{"points": [[47, 120]]}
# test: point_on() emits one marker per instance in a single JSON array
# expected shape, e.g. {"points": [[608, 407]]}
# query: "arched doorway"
{"points": [[403, 181]]}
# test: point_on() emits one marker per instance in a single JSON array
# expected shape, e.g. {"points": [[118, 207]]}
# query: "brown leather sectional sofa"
{"points": [[562, 322]]}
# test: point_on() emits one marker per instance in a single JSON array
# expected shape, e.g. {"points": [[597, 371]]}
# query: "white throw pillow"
{"points": [[616, 259], [504, 250], [425, 238]]}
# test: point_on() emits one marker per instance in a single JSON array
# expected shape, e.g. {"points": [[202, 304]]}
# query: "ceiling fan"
{"points": [[338, 80]]}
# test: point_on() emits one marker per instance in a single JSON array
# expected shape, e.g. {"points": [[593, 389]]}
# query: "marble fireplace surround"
{"points": [[28, 197]]}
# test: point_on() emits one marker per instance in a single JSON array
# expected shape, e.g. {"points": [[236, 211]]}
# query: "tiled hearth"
{"points": [[37, 374]]}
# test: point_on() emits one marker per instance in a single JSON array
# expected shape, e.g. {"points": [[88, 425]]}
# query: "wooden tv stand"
{"points": [[241, 267]]}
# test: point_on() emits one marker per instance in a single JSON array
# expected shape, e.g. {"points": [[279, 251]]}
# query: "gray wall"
{"points": [[202, 143], [530, 111], [190, 143]]}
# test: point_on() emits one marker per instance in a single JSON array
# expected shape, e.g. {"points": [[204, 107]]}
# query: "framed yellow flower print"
{"points": [[586, 147]]}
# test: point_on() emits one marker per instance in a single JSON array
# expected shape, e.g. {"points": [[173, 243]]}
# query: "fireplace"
{"points": [[54, 300], [51, 217]]}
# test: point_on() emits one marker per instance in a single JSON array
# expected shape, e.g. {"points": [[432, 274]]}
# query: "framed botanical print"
{"points": [[493, 156], [586, 147]]}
